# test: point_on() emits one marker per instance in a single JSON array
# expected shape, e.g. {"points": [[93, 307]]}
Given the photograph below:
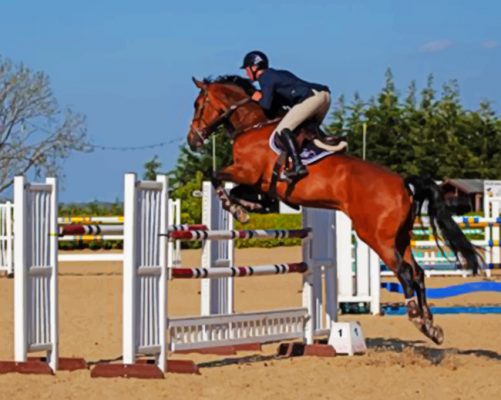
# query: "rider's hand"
{"points": [[257, 95]]}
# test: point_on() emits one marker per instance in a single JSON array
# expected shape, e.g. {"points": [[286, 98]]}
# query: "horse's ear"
{"points": [[198, 84]]}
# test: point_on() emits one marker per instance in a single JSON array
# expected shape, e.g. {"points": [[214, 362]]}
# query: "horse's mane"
{"points": [[246, 85], [242, 83]]}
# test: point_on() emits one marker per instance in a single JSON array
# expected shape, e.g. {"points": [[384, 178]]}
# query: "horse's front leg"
{"points": [[237, 207]]}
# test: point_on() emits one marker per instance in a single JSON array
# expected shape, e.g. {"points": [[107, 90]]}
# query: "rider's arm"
{"points": [[267, 84]]}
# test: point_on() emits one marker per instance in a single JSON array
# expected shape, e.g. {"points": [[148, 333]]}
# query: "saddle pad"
{"points": [[309, 153]]}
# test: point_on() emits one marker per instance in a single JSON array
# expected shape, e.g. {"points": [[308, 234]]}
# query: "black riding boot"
{"points": [[298, 169]]}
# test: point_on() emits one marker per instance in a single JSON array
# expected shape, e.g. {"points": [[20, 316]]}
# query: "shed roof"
{"points": [[466, 185]]}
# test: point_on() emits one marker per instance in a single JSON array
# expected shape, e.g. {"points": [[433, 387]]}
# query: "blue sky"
{"points": [[127, 65]]}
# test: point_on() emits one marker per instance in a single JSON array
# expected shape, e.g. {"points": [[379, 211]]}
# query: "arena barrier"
{"points": [[148, 330], [35, 280], [447, 292]]}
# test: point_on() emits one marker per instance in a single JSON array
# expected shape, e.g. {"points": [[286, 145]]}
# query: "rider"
{"points": [[306, 101]]}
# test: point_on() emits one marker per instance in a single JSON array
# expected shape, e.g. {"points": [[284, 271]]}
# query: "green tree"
{"points": [[423, 134], [151, 168], [192, 168], [190, 163], [191, 206], [484, 138]]}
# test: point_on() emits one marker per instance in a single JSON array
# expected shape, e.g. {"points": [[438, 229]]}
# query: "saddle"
{"points": [[309, 132], [313, 144], [311, 138], [312, 131]]}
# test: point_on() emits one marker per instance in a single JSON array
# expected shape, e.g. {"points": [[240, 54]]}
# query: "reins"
{"points": [[204, 133]]}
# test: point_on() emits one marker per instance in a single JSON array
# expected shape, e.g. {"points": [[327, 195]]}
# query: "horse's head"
{"points": [[215, 105]]}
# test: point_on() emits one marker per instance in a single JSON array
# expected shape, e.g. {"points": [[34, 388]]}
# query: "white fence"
{"points": [[6, 238]]}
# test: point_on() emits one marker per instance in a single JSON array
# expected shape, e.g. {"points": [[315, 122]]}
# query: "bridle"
{"points": [[209, 128]]}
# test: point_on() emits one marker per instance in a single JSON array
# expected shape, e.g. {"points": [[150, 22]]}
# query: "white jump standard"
{"points": [[148, 330], [35, 280]]}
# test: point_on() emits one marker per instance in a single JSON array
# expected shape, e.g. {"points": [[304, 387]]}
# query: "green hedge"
{"points": [[270, 221], [258, 221], [92, 245]]}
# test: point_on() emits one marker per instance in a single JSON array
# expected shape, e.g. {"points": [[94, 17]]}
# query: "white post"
{"points": [[145, 269], [344, 255], [177, 221], [227, 251], [492, 197], [129, 274], [496, 250], [319, 283], [53, 354], [10, 239], [163, 263], [20, 273], [309, 301], [331, 291], [35, 270], [310, 284], [216, 294], [375, 282], [368, 276], [174, 246], [362, 268]]}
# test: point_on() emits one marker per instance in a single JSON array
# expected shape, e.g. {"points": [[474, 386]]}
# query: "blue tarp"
{"points": [[401, 310], [449, 291]]}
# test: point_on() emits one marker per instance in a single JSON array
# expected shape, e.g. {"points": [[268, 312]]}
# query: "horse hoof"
{"points": [[437, 334], [426, 327], [242, 217]]}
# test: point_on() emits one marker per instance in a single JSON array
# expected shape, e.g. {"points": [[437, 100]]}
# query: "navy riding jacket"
{"points": [[288, 87]]}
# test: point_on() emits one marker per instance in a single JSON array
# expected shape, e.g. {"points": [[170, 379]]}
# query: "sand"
{"points": [[400, 363]]}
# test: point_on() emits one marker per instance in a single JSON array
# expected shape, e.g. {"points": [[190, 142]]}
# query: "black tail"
{"points": [[424, 188]]}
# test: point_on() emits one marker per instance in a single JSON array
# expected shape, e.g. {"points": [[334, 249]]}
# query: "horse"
{"points": [[381, 204]]}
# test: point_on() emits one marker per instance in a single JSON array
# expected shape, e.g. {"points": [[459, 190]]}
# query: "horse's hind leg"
{"points": [[424, 321], [410, 275]]}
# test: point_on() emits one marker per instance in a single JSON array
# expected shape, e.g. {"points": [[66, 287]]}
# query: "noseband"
{"points": [[205, 132]]}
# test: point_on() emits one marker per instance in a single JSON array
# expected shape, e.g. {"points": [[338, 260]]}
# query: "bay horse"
{"points": [[381, 204]]}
